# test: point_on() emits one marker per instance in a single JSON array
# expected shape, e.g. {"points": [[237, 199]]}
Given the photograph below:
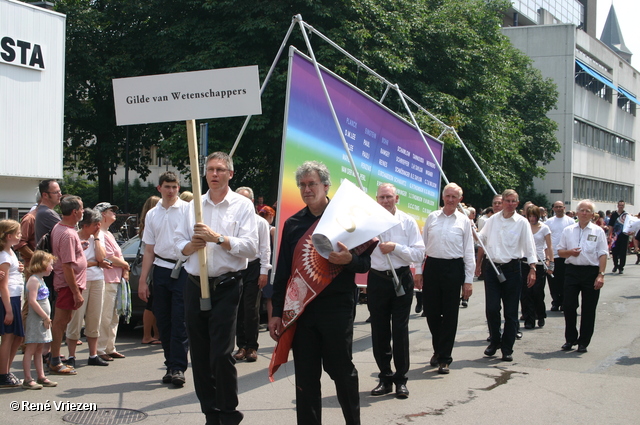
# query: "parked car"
{"points": [[129, 251]]}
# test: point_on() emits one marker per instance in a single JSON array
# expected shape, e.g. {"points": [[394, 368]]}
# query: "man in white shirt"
{"points": [[508, 239], [448, 269], [229, 235], [168, 285], [557, 224], [389, 312], [584, 245], [254, 278]]}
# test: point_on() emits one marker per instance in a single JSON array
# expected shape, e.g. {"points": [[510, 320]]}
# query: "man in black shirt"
{"points": [[619, 250], [324, 333]]}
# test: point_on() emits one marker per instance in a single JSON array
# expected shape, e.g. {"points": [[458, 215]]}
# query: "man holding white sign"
{"points": [[229, 235], [389, 312]]}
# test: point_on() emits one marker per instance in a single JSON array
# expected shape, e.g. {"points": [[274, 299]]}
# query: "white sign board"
{"points": [[215, 93]]}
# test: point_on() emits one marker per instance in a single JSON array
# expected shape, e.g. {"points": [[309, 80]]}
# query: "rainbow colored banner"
{"points": [[385, 147]]}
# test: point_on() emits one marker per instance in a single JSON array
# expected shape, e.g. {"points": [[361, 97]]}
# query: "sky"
{"points": [[628, 13]]}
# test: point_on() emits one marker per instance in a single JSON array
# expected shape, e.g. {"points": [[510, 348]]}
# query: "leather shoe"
{"points": [[166, 379], [402, 391], [582, 348], [443, 369], [252, 355], [529, 325], [434, 360], [554, 308], [507, 357], [241, 354], [177, 378], [116, 355], [106, 357], [541, 323], [382, 388], [96, 361], [518, 335], [491, 349], [568, 346]]}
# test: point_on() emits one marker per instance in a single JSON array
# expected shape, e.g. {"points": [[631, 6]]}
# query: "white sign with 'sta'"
{"points": [[215, 93]]}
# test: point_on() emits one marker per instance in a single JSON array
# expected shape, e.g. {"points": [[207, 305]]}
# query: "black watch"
{"points": [[220, 240]]}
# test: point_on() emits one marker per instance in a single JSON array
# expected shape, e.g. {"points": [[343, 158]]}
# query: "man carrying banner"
{"points": [[229, 235], [449, 267], [508, 239], [324, 333], [389, 312]]}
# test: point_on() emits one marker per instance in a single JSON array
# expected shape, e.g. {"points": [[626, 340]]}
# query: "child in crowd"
{"points": [[11, 288], [38, 323]]}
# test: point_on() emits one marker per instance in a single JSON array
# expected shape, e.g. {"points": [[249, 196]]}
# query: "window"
{"points": [[598, 190], [597, 138]]}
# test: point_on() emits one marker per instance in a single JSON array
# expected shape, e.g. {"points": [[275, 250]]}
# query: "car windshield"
{"points": [[130, 247]]}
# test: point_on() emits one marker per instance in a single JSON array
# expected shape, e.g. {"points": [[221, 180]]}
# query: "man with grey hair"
{"points": [[584, 245], [389, 312], [508, 238], [324, 332], [228, 234], [448, 270], [254, 278]]}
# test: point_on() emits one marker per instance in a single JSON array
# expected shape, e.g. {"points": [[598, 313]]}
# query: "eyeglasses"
{"points": [[57, 192], [586, 211], [217, 170], [311, 185]]}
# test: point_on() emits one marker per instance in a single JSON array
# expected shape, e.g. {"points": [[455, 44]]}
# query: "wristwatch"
{"points": [[220, 240], [601, 273]]}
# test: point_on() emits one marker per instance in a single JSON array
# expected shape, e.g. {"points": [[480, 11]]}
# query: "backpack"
{"points": [[44, 244]]}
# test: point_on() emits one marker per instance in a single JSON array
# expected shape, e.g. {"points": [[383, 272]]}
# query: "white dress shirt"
{"points": [[264, 245], [448, 237], [591, 240], [507, 239], [557, 225], [409, 246], [160, 225], [233, 217]]}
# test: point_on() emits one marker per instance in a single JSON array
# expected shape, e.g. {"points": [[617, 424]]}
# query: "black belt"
{"points": [[400, 272], [511, 264], [166, 259], [214, 282]]}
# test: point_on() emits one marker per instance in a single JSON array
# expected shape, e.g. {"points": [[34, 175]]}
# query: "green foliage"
{"points": [[448, 55]]}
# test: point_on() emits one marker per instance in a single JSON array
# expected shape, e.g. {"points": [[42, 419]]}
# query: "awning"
{"points": [[596, 75], [628, 95]]}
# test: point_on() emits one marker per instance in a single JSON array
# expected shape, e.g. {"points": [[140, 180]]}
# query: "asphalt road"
{"points": [[543, 385]]}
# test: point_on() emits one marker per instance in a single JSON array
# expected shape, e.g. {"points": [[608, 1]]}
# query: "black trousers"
{"points": [[324, 339], [168, 309], [506, 293], [443, 280], [556, 283], [580, 279], [532, 299], [211, 341], [248, 310], [619, 251], [390, 320]]}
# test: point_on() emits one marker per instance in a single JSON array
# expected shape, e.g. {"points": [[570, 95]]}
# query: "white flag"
{"points": [[352, 217]]}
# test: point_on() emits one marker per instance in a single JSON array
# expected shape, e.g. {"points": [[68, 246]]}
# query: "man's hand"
{"points": [[262, 281], [204, 232], [78, 300], [574, 252], [275, 328], [417, 281], [143, 289], [467, 290], [341, 257], [531, 278], [599, 283], [387, 247]]}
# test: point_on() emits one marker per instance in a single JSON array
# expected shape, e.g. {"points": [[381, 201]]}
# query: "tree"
{"points": [[449, 55]]}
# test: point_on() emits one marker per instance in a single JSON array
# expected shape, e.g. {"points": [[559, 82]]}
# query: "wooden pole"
{"points": [[205, 299]]}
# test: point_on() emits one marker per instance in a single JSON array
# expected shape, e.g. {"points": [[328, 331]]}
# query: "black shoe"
{"points": [[434, 360], [402, 391], [464, 303], [382, 388], [418, 308], [620, 271], [529, 325], [554, 308], [582, 348], [518, 335], [177, 378], [491, 349], [96, 361], [615, 269], [368, 319], [507, 357], [443, 369], [541, 323], [71, 362], [568, 346], [166, 379]]}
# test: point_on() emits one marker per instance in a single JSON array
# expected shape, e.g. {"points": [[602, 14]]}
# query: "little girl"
{"points": [[38, 325], [11, 288]]}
